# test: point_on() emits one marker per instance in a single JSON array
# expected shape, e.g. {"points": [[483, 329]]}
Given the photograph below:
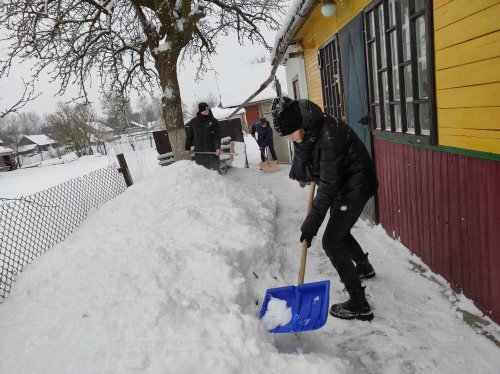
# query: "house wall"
{"points": [[315, 32], [445, 207], [252, 114], [295, 68], [467, 58]]}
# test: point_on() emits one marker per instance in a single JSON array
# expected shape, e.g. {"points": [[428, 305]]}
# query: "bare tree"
{"points": [[117, 111], [70, 125], [132, 44], [27, 96]]}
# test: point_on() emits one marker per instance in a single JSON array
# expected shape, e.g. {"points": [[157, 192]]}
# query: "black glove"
{"points": [[308, 238]]}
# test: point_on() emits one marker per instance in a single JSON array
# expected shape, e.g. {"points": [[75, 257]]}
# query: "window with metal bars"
{"points": [[329, 66], [401, 84]]}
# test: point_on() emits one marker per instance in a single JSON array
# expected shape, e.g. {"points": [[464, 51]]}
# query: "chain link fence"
{"points": [[30, 225]]}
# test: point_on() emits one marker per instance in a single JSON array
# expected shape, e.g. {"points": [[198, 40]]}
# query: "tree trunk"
{"points": [[171, 101]]}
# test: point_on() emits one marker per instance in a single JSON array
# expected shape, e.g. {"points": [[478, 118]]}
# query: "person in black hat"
{"points": [[203, 133], [329, 152], [263, 134]]}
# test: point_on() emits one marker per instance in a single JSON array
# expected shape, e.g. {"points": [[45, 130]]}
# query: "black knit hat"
{"points": [[286, 115], [203, 106]]}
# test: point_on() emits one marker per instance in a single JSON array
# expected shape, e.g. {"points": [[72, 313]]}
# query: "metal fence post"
{"points": [[124, 169]]}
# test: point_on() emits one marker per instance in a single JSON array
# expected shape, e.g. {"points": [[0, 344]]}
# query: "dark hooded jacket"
{"points": [[203, 133], [336, 158], [264, 134]]}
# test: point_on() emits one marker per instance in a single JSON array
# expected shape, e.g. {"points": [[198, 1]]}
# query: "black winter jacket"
{"points": [[338, 160], [264, 135], [203, 133]]}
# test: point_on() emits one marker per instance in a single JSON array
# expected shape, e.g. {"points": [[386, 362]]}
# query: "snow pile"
{"points": [[277, 314], [160, 279]]}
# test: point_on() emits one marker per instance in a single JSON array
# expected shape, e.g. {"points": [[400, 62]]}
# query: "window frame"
{"points": [[389, 130], [333, 100]]}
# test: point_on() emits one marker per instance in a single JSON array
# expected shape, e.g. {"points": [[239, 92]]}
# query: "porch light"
{"points": [[328, 8]]}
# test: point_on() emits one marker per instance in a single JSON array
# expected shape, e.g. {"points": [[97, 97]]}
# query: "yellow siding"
{"points": [[467, 43], [479, 49], [315, 32]]}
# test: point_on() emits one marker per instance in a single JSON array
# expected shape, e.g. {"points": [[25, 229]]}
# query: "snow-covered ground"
{"points": [[141, 160], [169, 276], [23, 181]]}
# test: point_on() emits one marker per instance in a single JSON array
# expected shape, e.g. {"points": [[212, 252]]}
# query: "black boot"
{"points": [[365, 269], [355, 308]]}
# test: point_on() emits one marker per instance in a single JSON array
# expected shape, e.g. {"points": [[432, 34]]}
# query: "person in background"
{"points": [[263, 134], [203, 133], [331, 154]]}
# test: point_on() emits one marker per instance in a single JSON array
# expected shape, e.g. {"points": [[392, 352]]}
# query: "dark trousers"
{"points": [[263, 153], [209, 161], [339, 244]]}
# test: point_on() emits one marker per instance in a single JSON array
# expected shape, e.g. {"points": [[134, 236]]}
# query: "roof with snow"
{"points": [[99, 126], [26, 148], [5, 150], [238, 83], [40, 139], [294, 19], [132, 124], [223, 113]]}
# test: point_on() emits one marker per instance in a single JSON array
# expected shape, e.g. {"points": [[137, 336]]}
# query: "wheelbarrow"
{"points": [[308, 303]]}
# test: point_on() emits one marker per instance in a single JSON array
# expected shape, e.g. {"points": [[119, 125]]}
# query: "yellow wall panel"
{"points": [[313, 77], [459, 9], [470, 118], [482, 48], [439, 3], [477, 73], [470, 142], [469, 97], [474, 26]]}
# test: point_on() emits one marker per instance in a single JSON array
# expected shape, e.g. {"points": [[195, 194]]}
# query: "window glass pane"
{"points": [[374, 72], [405, 22], [408, 81], [385, 85], [392, 13], [394, 64], [419, 4], [377, 116], [397, 118], [424, 118], [381, 29], [372, 25], [409, 116], [423, 82]]}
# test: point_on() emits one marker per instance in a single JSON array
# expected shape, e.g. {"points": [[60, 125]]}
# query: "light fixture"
{"points": [[328, 8]]}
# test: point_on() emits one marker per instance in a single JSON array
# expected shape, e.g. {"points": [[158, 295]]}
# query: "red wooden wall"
{"points": [[252, 114], [445, 208]]}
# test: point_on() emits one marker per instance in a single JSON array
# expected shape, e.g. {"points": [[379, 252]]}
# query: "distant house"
{"points": [[135, 127], [35, 144], [7, 158], [238, 83], [100, 132]]}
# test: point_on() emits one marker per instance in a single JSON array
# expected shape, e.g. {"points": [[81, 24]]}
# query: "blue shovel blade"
{"points": [[309, 303]]}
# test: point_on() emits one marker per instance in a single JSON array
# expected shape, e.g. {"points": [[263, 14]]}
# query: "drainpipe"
{"points": [[295, 24]]}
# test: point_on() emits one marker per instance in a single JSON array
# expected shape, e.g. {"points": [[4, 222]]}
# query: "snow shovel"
{"points": [[308, 302], [269, 166]]}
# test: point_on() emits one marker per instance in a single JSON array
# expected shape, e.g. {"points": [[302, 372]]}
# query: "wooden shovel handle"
{"points": [[303, 254]]}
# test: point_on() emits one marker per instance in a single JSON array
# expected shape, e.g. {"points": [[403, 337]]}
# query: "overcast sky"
{"points": [[230, 54]]}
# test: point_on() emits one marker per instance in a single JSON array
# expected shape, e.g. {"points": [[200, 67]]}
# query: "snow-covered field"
{"points": [[141, 161], [168, 278]]}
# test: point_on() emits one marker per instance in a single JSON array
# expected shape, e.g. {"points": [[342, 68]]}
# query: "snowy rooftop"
{"points": [[238, 83], [99, 126], [40, 139], [4, 150], [223, 113], [25, 148]]}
